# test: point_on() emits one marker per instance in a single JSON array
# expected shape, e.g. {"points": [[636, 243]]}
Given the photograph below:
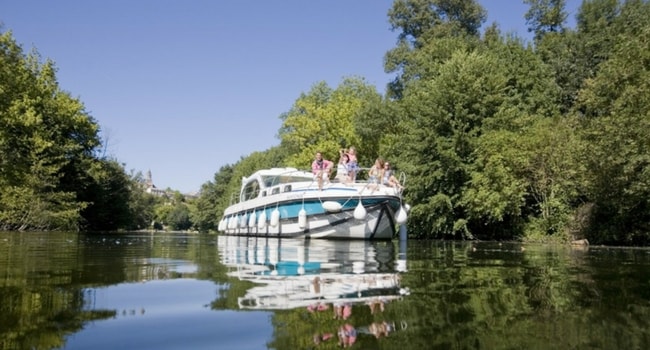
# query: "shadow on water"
{"points": [[166, 291]]}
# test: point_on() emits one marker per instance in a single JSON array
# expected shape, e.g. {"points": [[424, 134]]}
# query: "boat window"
{"points": [[285, 179], [252, 190], [287, 188], [270, 180], [275, 190]]}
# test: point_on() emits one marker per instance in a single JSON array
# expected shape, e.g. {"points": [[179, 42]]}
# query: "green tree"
{"points": [[616, 104], [109, 197], [576, 55], [545, 16], [528, 178], [428, 29], [454, 138], [596, 25], [214, 198], [141, 203], [218, 195], [205, 218], [323, 120], [444, 120], [378, 127], [179, 217], [46, 139]]}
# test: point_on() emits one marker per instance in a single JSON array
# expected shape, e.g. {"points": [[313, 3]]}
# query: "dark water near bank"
{"points": [[175, 291]]}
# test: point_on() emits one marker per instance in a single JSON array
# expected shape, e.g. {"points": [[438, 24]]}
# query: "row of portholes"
{"points": [[276, 190]]}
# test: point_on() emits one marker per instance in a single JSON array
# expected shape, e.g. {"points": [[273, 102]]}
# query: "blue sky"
{"points": [[182, 88]]}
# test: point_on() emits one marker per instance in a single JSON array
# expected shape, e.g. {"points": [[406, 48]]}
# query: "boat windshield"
{"points": [[284, 179]]}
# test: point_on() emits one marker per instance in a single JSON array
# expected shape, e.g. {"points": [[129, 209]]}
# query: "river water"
{"points": [[184, 291]]}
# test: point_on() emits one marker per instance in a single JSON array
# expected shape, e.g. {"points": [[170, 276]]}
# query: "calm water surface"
{"points": [[176, 291]]}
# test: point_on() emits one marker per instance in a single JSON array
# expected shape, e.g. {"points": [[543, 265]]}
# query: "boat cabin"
{"points": [[271, 181]]}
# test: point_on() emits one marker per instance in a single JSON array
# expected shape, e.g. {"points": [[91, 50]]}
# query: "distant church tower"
{"points": [[149, 180], [151, 188]]}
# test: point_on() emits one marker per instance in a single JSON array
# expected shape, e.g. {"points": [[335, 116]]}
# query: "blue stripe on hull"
{"points": [[290, 210]]}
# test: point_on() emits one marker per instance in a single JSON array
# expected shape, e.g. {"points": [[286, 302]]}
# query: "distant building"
{"points": [[151, 188], [191, 195]]}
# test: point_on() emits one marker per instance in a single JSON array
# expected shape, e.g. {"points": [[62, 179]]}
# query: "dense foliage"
{"points": [[52, 174], [499, 137]]}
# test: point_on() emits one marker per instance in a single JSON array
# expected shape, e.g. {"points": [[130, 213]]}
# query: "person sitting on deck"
{"points": [[376, 174], [321, 169], [342, 168], [353, 164], [389, 179]]}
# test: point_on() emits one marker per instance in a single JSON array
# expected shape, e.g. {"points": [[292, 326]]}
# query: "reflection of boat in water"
{"points": [[294, 273]]}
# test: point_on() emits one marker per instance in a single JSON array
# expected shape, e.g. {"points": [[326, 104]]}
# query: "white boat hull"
{"points": [[378, 224]]}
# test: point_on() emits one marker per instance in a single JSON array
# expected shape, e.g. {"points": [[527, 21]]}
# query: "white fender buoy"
{"points": [[401, 216], [242, 221], [407, 207], [400, 265], [358, 266], [261, 222], [221, 224], [275, 217], [332, 207], [251, 220], [360, 212], [232, 222], [302, 218]]}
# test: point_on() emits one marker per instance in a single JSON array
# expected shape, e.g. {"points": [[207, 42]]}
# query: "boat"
{"points": [[314, 274], [288, 203]]}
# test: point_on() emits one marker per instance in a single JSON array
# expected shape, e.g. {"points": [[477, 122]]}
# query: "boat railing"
{"points": [[272, 183], [362, 175]]}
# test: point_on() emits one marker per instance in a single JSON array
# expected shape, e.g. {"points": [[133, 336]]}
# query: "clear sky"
{"points": [[184, 87]]}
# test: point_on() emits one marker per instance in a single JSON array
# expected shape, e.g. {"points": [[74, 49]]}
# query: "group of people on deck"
{"points": [[348, 167]]}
